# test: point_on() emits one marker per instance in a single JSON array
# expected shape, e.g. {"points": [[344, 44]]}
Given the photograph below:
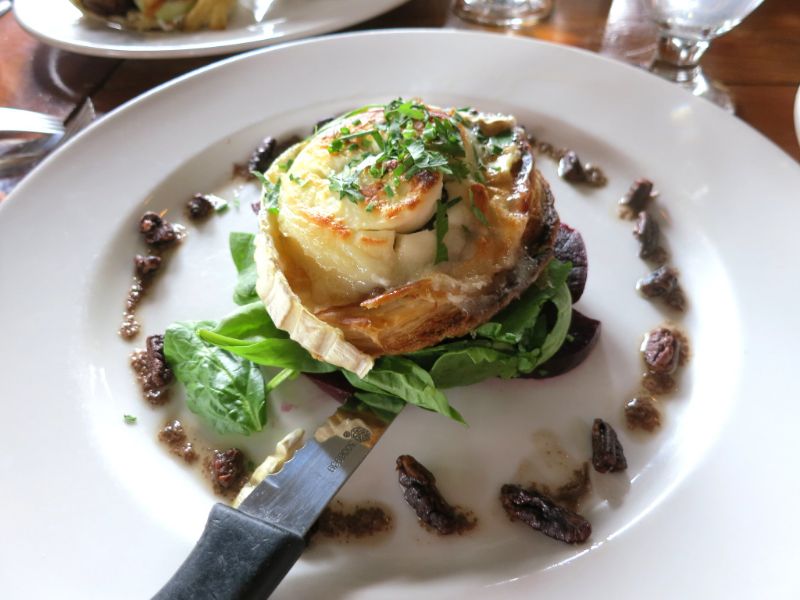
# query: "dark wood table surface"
{"points": [[759, 60]]}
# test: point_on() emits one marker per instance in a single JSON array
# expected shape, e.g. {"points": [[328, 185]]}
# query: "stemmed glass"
{"points": [[687, 28]]}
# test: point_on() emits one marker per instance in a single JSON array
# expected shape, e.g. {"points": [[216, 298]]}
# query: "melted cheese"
{"points": [[372, 238]]}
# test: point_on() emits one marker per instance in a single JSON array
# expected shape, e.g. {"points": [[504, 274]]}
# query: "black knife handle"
{"points": [[238, 557]]}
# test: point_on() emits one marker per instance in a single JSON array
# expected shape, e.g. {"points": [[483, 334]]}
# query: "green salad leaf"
{"points": [[516, 341], [269, 352], [227, 391], [404, 379], [471, 365]]}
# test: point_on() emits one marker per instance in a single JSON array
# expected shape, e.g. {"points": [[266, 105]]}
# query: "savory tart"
{"points": [[396, 226]]}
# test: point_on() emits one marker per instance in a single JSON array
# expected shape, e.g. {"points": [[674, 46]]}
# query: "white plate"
{"points": [[797, 115], [94, 508], [254, 23]]}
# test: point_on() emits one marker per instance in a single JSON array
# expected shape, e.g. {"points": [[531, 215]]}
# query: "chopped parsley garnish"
{"points": [[335, 146], [476, 210], [129, 419], [346, 184], [496, 143], [452, 202], [409, 140], [296, 180], [270, 192], [284, 166]]}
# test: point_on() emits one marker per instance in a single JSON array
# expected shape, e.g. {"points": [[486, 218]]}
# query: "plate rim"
{"points": [[793, 164]]}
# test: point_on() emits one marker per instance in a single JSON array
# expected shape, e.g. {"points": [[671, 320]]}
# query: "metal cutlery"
{"points": [[24, 153], [244, 553]]}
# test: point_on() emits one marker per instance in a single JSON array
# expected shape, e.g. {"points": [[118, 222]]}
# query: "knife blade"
{"points": [[244, 553]]}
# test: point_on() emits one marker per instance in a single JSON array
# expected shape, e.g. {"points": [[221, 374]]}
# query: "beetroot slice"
{"points": [[569, 246], [334, 384], [582, 337]]}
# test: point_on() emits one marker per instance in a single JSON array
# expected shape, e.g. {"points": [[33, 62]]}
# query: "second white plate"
{"points": [[254, 23]]}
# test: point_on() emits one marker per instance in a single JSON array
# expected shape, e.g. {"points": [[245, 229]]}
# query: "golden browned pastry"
{"points": [[397, 226]]}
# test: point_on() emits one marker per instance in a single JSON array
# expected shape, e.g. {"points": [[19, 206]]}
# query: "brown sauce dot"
{"points": [[174, 437], [361, 521], [643, 413]]}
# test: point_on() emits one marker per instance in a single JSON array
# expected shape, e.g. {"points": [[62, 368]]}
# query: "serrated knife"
{"points": [[244, 553]]}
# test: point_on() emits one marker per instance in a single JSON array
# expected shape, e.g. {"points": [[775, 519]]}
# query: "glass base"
{"points": [[513, 14], [695, 81]]}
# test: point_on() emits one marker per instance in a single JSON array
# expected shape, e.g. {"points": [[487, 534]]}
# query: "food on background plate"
{"points": [[404, 248], [161, 15]]}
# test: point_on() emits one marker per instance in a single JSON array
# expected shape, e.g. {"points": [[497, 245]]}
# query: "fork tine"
{"points": [[33, 151], [14, 120]]}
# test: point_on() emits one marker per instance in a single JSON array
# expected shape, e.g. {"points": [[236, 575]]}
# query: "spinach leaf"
{"points": [[515, 323], [471, 365], [270, 352], [555, 338], [400, 377], [225, 390], [386, 407], [249, 321], [243, 247], [283, 375]]}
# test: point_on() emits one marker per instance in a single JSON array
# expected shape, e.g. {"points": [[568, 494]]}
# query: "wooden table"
{"points": [[759, 60]]}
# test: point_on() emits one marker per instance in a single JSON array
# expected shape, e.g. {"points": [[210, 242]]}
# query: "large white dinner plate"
{"points": [[95, 508], [253, 23]]}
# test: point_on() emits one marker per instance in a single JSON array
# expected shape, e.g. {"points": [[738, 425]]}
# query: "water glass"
{"points": [[504, 13]]}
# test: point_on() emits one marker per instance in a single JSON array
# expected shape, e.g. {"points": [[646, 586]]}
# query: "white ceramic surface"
{"points": [[253, 24], [95, 508], [797, 114]]}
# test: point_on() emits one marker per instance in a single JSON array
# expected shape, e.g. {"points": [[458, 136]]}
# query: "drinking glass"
{"points": [[687, 28], [504, 13]]}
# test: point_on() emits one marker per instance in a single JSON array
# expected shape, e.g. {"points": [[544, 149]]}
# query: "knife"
{"points": [[244, 553]]}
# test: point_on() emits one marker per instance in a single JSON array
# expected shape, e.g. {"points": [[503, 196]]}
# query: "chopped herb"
{"points": [[369, 207], [335, 146], [270, 192], [129, 419], [387, 189], [357, 134], [406, 109], [453, 201], [296, 180], [284, 166], [441, 226], [476, 210], [346, 184], [378, 139]]}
